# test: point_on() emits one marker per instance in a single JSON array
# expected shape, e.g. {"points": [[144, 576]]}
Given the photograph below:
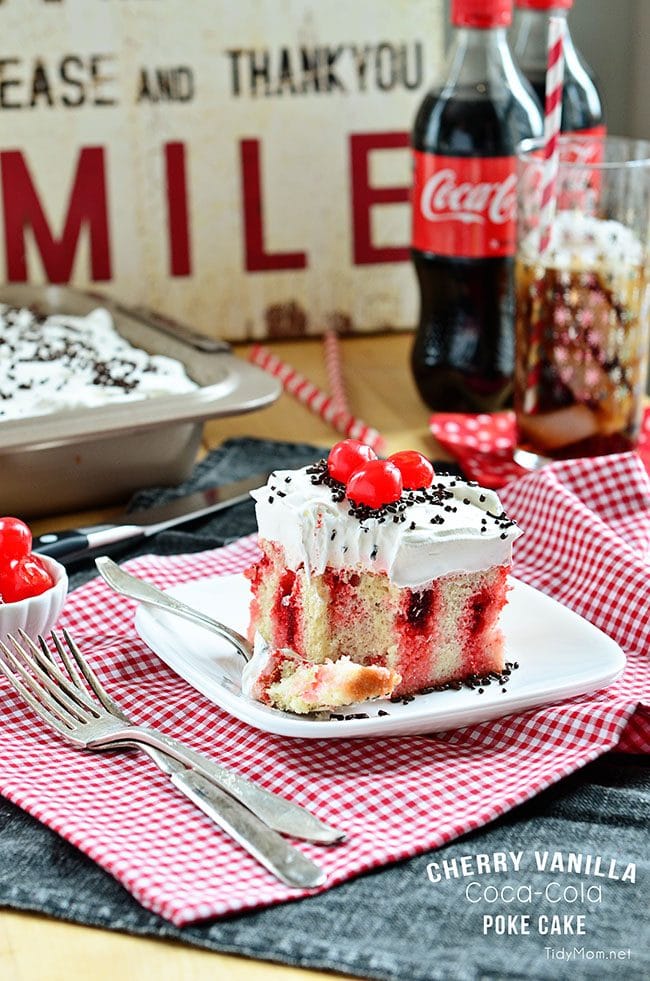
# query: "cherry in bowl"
{"points": [[33, 587], [15, 540]]}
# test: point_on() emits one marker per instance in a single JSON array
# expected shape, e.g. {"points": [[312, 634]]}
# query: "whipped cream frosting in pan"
{"points": [[48, 364], [453, 526]]}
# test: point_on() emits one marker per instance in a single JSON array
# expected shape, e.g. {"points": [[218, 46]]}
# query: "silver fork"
{"points": [[126, 584], [277, 812], [66, 705]]}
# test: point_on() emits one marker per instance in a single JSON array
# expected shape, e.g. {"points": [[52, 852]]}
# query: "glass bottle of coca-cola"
{"points": [[582, 107], [463, 205]]}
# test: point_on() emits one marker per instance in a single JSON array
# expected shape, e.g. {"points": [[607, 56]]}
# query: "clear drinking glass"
{"points": [[582, 305]]}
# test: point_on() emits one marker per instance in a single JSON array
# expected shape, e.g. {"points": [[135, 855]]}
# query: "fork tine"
{"points": [[52, 663], [49, 688], [61, 723], [54, 679], [46, 650], [48, 658], [63, 654], [49, 663], [87, 672]]}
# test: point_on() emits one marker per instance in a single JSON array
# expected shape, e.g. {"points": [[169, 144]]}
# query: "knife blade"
{"points": [[76, 543]]}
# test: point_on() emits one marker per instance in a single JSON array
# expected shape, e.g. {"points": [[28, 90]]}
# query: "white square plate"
{"points": [[559, 655]]}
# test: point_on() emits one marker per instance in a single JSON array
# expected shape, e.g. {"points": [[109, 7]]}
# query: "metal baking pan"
{"points": [[76, 459]]}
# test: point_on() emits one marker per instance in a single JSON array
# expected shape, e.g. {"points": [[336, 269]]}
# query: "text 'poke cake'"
{"points": [[377, 578]]}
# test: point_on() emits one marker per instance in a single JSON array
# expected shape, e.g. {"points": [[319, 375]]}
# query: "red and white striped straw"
{"points": [[334, 369], [552, 118], [320, 403]]}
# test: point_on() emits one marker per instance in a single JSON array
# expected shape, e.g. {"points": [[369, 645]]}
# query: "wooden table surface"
{"points": [[381, 392]]}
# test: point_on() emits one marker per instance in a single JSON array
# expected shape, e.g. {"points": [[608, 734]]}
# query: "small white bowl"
{"points": [[37, 614]]}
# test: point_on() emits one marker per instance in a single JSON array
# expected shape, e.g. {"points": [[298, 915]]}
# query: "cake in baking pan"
{"points": [[57, 362]]}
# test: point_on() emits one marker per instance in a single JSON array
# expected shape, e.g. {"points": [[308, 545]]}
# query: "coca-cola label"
{"points": [[464, 206], [579, 186], [588, 147]]}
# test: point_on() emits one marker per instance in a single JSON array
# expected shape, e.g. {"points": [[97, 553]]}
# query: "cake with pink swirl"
{"points": [[376, 576]]}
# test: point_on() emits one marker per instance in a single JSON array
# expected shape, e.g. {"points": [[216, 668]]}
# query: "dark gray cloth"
{"points": [[395, 923], [236, 459]]}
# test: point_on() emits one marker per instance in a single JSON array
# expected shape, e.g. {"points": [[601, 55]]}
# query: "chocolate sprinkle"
{"points": [[439, 495], [472, 681], [336, 717]]}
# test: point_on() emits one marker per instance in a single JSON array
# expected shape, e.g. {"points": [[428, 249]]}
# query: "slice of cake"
{"points": [[383, 563]]}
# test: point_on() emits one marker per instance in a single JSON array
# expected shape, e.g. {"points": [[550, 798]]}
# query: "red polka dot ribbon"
{"points": [[483, 444]]}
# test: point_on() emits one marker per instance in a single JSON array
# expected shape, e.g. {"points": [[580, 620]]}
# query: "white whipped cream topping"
{"points": [[582, 242], [65, 362], [316, 531], [257, 664]]}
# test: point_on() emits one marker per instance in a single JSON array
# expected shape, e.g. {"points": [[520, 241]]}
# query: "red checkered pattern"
{"points": [[586, 543], [483, 444]]}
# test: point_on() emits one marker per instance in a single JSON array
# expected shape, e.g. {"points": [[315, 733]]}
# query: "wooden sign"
{"points": [[240, 166]]}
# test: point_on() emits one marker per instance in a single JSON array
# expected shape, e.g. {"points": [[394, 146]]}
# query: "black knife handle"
{"points": [[61, 544]]}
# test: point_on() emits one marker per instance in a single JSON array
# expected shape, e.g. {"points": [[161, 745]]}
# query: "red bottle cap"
{"points": [[481, 13], [543, 4]]}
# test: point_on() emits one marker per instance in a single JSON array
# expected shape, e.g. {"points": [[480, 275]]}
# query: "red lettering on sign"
{"points": [[256, 257], [365, 197], [86, 206], [178, 219]]}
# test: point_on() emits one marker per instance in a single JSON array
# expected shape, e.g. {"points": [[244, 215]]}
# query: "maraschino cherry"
{"points": [[374, 484], [15, 540], [25, 578], [346, 457], [22, 574], [417, 473]]}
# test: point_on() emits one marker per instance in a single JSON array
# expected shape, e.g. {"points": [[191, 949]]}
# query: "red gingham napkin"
{"points": [[586, 543], [483, 444]]}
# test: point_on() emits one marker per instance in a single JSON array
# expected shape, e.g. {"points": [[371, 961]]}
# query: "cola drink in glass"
{"points": [[582, 302], [463, 207], [582, 105]]}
